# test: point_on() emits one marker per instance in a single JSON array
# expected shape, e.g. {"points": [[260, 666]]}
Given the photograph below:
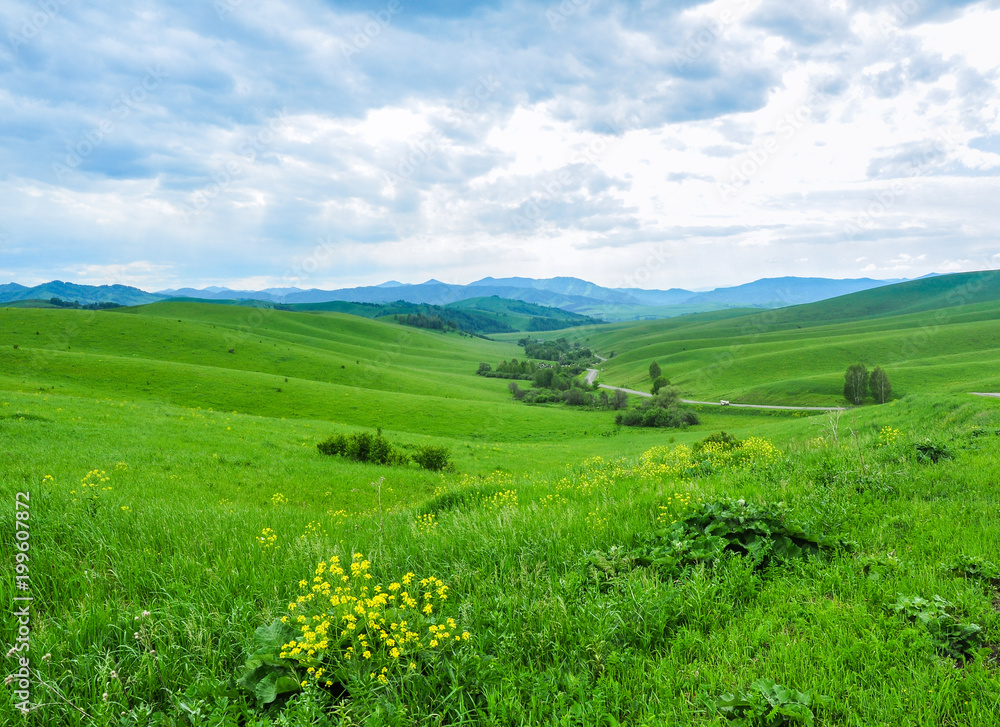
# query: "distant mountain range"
{"points": [[570, 294]]}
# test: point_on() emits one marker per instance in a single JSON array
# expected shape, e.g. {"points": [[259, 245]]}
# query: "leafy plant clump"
{"points": [[767, 703], [713, 529], [758, 532], [376, 449], [928, 451], [975, 568], [952, 637]]}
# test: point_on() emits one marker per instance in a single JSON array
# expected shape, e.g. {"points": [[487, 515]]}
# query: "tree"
{"points": [[484, 369], [855, 383], [666, 398], [878, 384], [516, 390], [654, 371], [619, 400], [659, 383]]}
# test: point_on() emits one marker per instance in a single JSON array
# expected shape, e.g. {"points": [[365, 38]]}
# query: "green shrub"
{"points": [[657, 417], [723, 442], [334, 445], [432, 458], [363, 447]]}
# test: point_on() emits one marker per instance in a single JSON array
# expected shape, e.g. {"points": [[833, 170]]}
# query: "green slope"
{"points": [[330, 367], [933, 335]]}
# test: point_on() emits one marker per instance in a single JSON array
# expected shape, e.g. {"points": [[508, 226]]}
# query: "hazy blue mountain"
{"points": [[782, 292], [83, 294], [674, 296], [11, 289], [567, 293], [572, 287]]}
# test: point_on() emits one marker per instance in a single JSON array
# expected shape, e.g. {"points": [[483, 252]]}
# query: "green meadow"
{"points": [[194, 560]]}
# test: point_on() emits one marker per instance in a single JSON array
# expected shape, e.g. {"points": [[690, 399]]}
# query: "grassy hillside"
{"points": [[178, 505], [798, 355]]}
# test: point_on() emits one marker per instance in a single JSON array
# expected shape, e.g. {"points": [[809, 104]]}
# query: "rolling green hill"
{"points": [[933, 335]]}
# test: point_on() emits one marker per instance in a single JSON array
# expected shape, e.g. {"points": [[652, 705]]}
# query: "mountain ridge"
{"points": [[571, 294]]}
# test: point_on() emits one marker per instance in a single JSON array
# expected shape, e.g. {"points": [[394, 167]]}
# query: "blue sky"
{"points": [[257, 144]]}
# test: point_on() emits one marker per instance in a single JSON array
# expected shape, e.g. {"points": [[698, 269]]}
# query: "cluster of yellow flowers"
{"points": [[313, 528], [503, 500], [664, 462], [267, 538], [495, 479], [596, 521], [278, 499], [92, 483], [888, 435], [426, 523], [95, 479], [756, 451], [347, 622], [552, 500], [676, 504]]}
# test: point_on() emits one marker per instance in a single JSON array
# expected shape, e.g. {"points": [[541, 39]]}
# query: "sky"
{"points": [[261, 144]]}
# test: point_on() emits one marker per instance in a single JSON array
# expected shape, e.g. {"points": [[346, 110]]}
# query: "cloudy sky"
{"points": [[270, 143]]}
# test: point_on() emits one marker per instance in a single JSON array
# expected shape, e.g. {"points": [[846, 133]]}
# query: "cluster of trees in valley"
{"points": [[555, 379], [858, 382]]}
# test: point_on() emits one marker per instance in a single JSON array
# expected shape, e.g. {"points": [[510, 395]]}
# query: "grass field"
{"points": [[178, 502]]}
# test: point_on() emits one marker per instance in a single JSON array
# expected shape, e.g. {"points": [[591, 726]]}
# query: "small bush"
{"points": [[363, 447], [657, 417], [720, 441], [432, 458]]}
